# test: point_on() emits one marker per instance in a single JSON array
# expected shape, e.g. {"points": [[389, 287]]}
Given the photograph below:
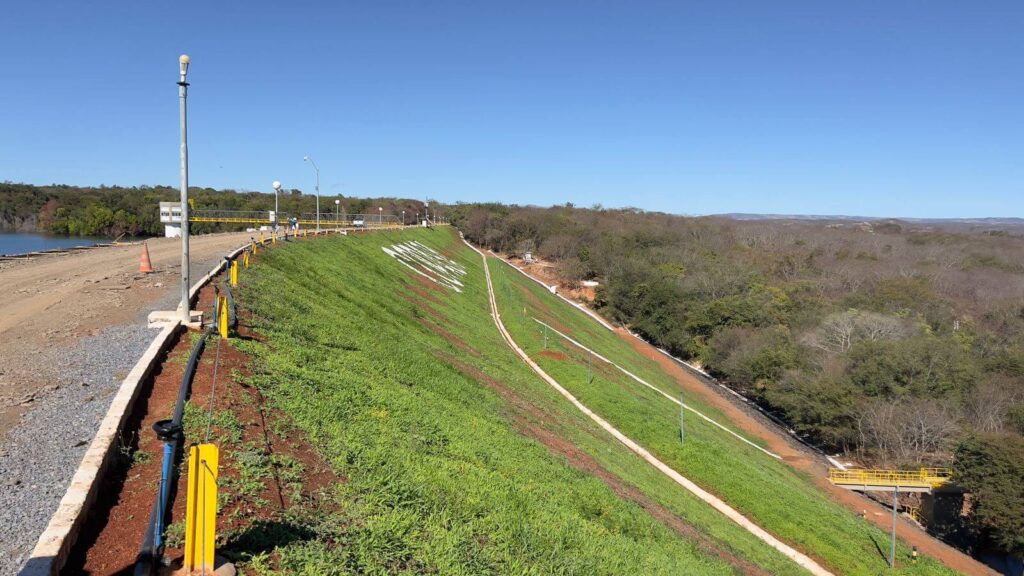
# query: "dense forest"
{"points": [[900, 344], [112, 211]]}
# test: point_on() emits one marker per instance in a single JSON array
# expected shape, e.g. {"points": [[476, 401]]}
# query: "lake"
{"points": [[22, 242]]}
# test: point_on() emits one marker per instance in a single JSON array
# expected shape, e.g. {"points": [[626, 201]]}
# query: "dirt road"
{"points": [[49, 301]]}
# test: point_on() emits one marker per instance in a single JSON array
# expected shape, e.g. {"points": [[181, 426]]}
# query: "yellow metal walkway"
{"points": [[922, 480]]}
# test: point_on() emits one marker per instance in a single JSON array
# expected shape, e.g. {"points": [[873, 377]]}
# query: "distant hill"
{"points": [[994, 223]]}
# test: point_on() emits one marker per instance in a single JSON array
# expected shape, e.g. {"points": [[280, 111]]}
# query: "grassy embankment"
{"points": [[772, 494], [457, 458]]}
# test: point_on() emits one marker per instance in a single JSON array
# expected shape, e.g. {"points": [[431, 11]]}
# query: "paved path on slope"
{"points": [[51, 301], [796, 556], [802, 459]]}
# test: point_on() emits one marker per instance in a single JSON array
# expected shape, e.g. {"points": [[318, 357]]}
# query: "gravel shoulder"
{"points": [[79, 325]]}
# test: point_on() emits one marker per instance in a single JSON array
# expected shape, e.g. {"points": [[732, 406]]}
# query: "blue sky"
{"points": [[883, 108]]}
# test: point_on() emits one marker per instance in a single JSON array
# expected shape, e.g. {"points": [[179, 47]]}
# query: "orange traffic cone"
{"points": [[145, 266]]}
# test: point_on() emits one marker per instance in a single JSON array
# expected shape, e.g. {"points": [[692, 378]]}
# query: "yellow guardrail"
{"points": [[921, 478], [267, 222]]}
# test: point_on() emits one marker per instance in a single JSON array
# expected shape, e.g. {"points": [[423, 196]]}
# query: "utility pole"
{"points": [[590, 362], [892, 545], [682, 423], [277, 213], [317, 171], [186, 304]]}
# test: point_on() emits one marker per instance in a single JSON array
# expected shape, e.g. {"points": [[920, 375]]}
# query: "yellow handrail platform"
{"points": [[923, 479]]}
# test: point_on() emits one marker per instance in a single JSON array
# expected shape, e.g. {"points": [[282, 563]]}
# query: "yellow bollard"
{"points": [[254, 247], [245, 259], [261, 237], [273, 238], [913, 555], [201, 509], [222, 316], [234, 272]]}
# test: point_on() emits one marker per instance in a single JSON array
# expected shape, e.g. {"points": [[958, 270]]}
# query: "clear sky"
{"points": [[887, 108]]}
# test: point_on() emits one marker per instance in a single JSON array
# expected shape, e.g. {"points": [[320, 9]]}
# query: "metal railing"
{"points": [[921, 478], [327, 219], [230, 216]]}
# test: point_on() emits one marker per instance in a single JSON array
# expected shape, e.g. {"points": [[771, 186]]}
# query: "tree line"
{"points": [[900, 344], [109, 211]]}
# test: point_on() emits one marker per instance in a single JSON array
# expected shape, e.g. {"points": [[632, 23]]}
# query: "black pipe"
{"points": [[232, 313], [170, 432]]}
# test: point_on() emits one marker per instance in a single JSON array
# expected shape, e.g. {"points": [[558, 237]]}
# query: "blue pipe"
{"points": [[170, 432], [165, 493]]}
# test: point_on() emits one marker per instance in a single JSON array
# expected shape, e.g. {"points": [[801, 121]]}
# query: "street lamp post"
{"points": [[186, 305], [277, 213], [337, 206], [317, 170], [403, 218], [380, 215]]}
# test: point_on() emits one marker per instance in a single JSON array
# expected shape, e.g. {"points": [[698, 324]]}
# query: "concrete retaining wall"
{"points": [[55, 544]]}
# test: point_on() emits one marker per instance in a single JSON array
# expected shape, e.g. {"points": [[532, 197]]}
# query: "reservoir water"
{"points": [[22, 242]]}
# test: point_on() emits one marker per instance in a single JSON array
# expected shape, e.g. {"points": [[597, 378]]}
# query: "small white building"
{"points": [[170, 217]]}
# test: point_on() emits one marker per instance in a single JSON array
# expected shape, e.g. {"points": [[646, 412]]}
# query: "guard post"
{"points": [[222, 316], [234, 272], [201, 509]]}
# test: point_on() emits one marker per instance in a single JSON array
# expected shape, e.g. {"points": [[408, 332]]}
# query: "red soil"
{"points": [[799, 459], [113, 534], [534, 423], [812, 465]]}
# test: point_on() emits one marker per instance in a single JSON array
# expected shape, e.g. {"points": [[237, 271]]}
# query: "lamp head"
{"points": [[305, 158], [276, 185], [336, 202], [183, 61]]}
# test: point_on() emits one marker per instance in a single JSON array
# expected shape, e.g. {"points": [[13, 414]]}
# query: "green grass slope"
{"points": [[457, 458], [769, 492]]}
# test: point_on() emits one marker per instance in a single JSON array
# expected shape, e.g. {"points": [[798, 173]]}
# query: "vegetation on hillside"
{"points": [[456, 458], [114, 210], [898, 343], [768, 491]]}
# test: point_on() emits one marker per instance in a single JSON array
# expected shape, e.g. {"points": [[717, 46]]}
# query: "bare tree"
{"points": [[990, 401], [838, 332], [905, 431]]}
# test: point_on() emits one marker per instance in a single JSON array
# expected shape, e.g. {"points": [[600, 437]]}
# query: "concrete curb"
{"points": [[54, 545]]}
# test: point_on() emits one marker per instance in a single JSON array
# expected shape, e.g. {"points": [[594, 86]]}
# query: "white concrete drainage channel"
{"points": [[796, 556], [658, 390]]}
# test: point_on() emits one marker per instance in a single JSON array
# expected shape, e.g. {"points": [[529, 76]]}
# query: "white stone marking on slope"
{"points": [[718, 504], [422, 259], [656, 389]]}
